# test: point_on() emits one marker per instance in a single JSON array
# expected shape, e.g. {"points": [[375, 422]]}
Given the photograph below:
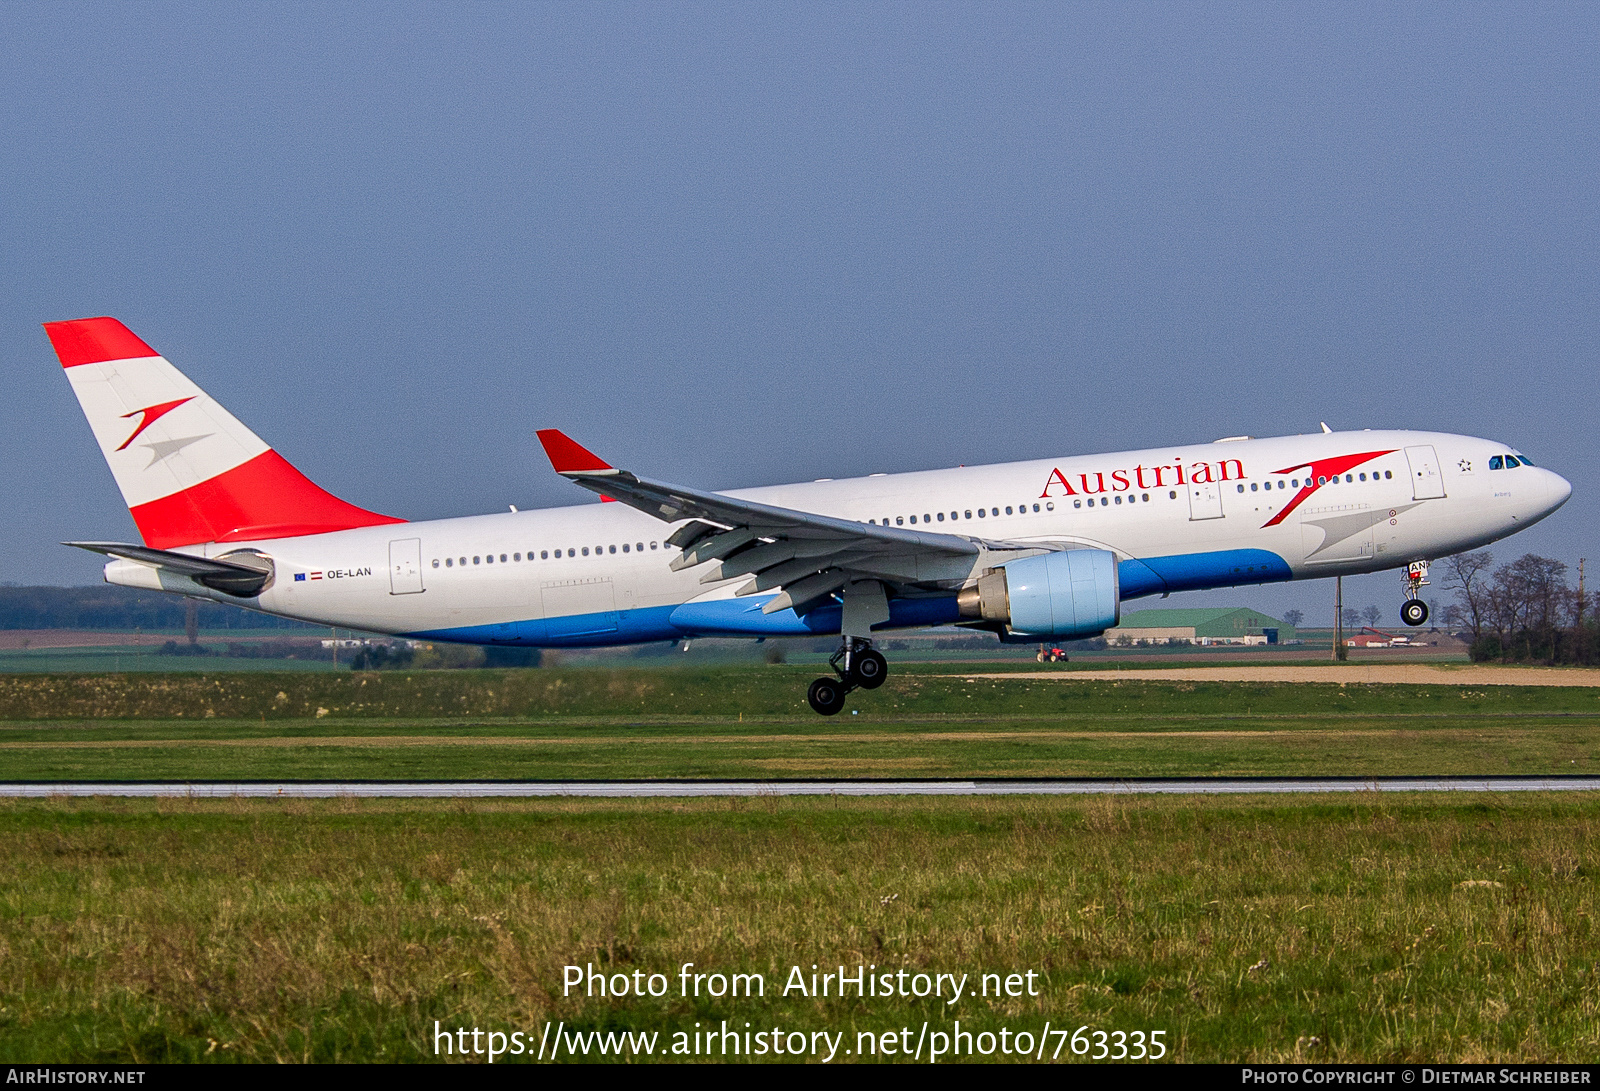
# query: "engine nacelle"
{"points": [[1065, 595]]}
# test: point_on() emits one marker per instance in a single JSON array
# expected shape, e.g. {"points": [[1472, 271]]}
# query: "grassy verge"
{"points": [[1349, 929], [578, 749], [777, 691], [732, 723]]}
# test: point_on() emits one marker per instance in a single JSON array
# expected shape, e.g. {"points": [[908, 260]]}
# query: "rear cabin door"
{"points": [[1427, 483], [405, 566], [1205, 500]]}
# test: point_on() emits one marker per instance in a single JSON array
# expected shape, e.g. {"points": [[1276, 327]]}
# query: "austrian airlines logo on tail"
{"points": [[217, 481], [152, 413]]}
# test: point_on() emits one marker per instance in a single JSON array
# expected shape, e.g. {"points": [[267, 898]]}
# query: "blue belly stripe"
{"points": [[743, 616]]}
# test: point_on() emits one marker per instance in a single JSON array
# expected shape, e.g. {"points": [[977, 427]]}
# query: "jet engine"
{"points": [[1064, 595]]}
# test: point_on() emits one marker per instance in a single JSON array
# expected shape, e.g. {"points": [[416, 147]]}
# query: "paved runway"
{"points": [[667, 788]]}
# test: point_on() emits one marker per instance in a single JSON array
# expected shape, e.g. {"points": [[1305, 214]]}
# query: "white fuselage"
{"points": [[1229, 513]]}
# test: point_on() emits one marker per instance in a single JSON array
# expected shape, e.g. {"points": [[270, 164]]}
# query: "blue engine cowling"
{"points": [[1062, 595]]}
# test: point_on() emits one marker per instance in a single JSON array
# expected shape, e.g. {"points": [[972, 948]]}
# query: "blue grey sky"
{"points": [[741, 244]]}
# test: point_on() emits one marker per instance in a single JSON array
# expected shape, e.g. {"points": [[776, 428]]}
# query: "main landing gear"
{"points": [[858, 667], [1414, 611]]}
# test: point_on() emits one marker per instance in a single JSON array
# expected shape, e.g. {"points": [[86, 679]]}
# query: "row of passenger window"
{"points": [[1495, 463], [957, 516], [1107, 501], [1294, 482], [544, 554]]}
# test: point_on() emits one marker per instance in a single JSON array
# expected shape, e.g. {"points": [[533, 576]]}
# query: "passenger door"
{"points": [[1205, 500], [405, 566], [1427, 483]]}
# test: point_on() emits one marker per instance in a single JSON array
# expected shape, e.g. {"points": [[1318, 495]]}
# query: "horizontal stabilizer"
{"points": [[245, 574]]}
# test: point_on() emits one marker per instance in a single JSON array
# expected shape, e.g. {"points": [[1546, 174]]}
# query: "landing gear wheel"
{"points": [[868, 669], [1414, 612], [826, 696]]}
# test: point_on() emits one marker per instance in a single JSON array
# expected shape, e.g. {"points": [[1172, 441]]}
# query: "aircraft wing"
{"points": [[803, 555]]}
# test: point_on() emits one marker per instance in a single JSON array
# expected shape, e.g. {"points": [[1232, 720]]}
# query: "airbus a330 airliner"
{"points": [[1032, 551]]}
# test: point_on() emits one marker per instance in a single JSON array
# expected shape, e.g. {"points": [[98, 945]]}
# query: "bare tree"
{"points": [[1467, 574], [1352, 617], [1524, 611], [1372, 615], [1530, 595], [1293, 618]]}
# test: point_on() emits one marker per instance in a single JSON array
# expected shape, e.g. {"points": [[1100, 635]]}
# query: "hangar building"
{"points": [[1220, 625]]}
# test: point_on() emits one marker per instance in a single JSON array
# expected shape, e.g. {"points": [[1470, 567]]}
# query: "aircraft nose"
{"points": [[1557, 489]]}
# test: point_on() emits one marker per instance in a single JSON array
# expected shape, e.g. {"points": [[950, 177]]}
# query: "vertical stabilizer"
{"points": [[189, 471]]}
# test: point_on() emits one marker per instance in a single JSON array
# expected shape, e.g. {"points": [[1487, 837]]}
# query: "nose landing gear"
{"points": [[858, 666], [1414, 611]]}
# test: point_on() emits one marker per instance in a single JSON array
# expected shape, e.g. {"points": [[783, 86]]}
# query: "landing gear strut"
{"points": [[1414, 611], [858, 667]]}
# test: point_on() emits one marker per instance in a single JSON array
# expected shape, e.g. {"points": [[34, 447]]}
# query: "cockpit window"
{"points": [[1496, 462], [1526, 461]]}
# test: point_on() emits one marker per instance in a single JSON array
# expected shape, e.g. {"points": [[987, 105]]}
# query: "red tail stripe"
{"points": [[265, 497], [95, 340]]}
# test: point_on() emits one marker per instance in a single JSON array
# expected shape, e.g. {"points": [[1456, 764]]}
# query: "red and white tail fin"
{"points": [[190, 472]]}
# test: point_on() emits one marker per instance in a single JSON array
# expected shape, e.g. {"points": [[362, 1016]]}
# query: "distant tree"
{"points": [[1293, 618], [1528, 603], [107, 606], [1352, 617], [1525, 611], [1372, 615], [1467, 574]]}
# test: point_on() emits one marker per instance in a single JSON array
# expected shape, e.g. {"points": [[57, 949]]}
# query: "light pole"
{"points": [[1338, 615]]}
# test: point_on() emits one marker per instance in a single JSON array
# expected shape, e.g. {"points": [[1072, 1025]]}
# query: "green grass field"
{"points": [[1350, 929], [142, 658], [752, 723]]}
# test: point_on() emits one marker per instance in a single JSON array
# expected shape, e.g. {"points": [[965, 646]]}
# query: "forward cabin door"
{"points": [[1427, 483], [405, 566], [1205, 500]]}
